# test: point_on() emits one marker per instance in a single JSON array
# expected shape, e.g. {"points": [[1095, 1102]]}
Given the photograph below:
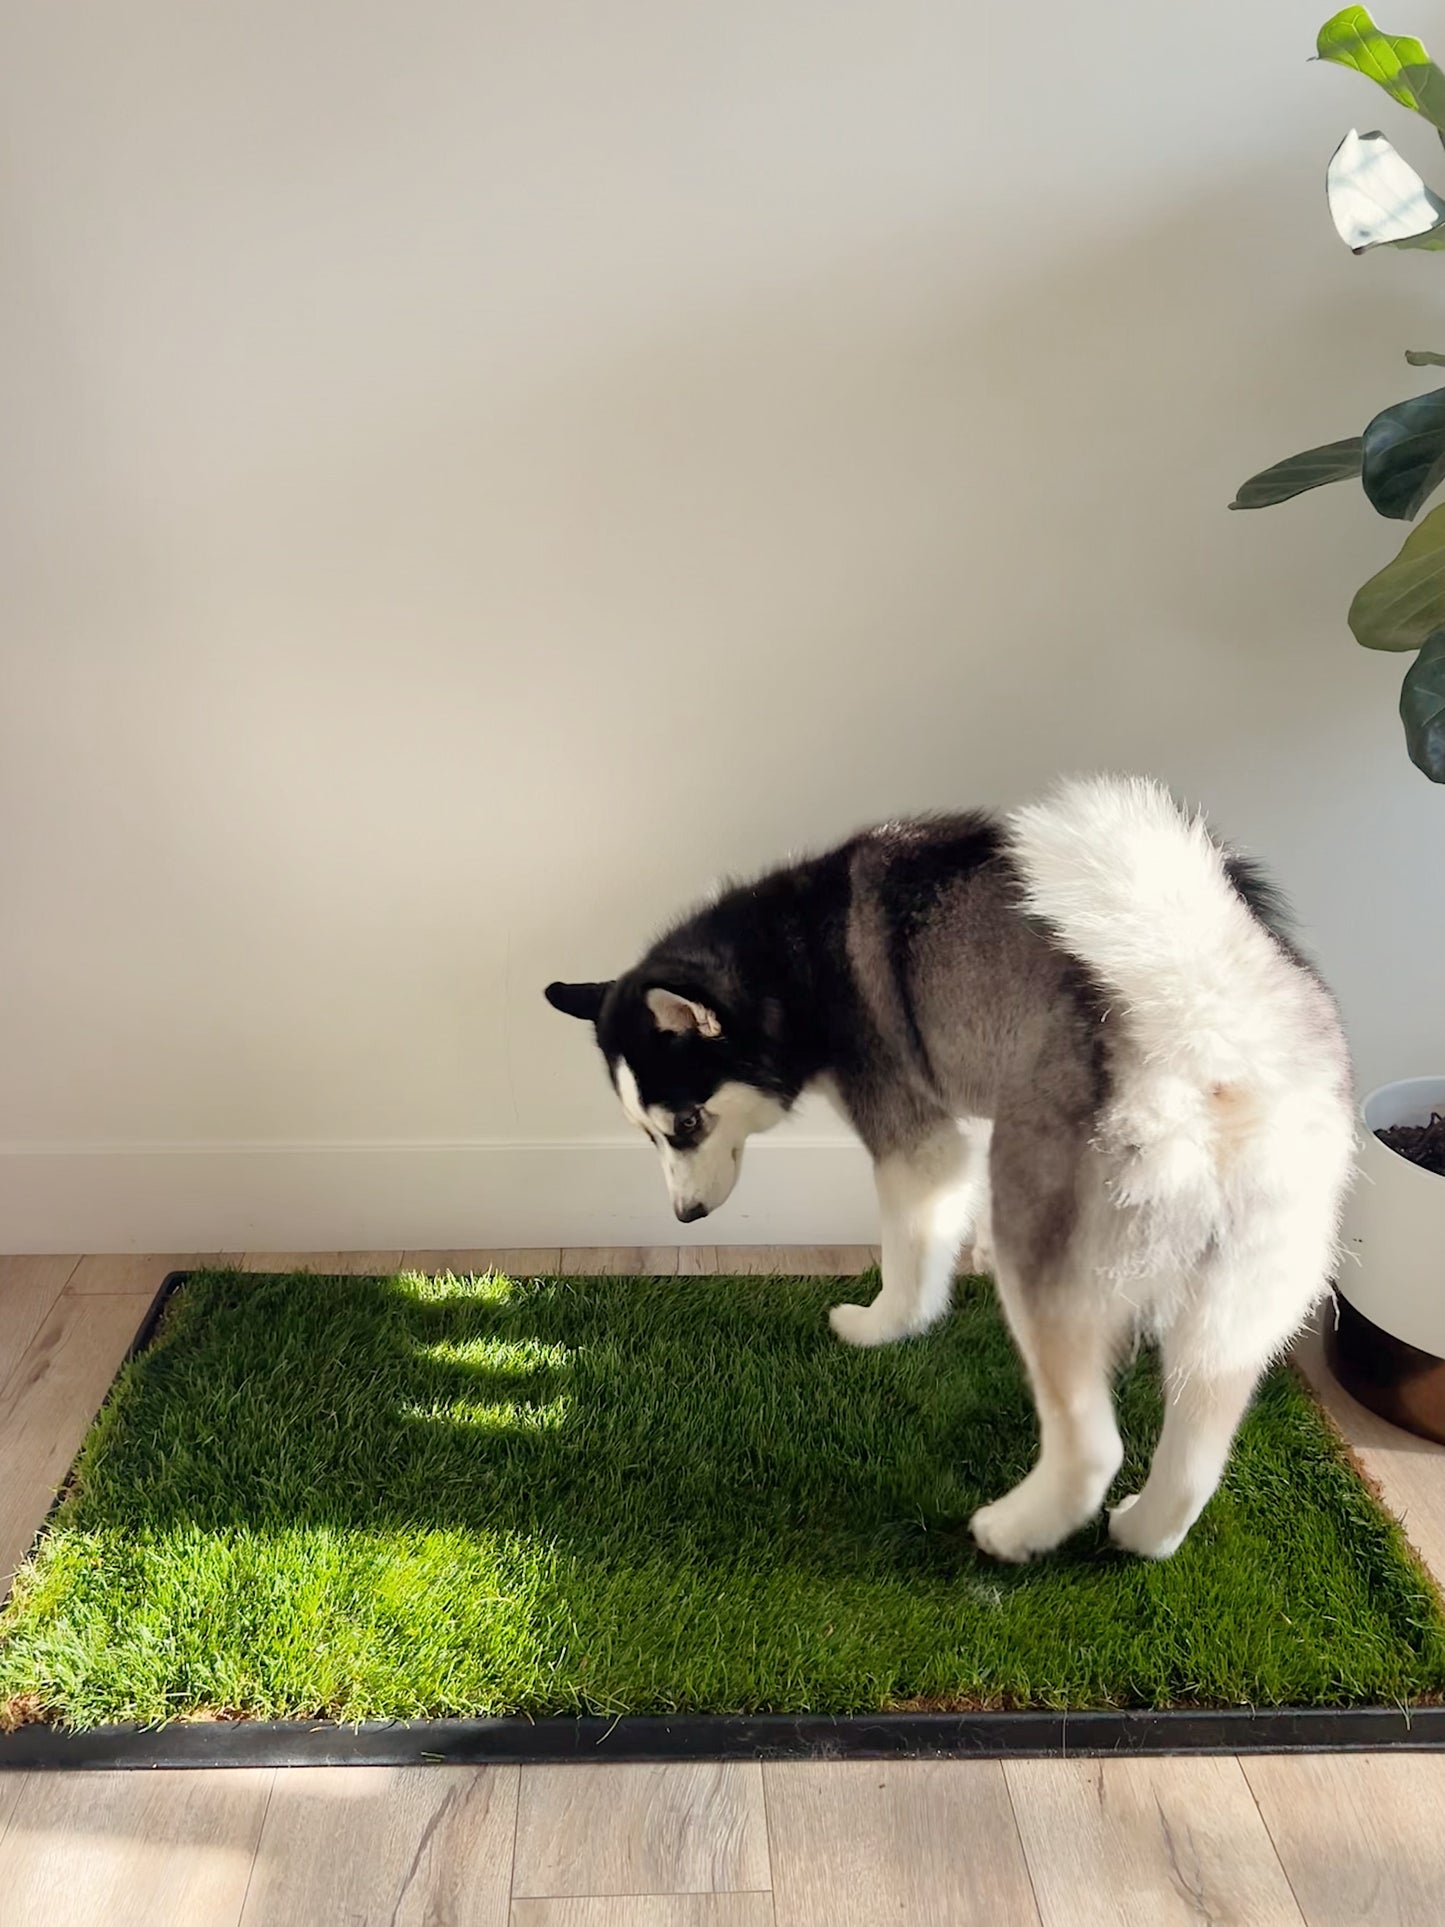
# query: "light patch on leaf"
{"points": [[1396, 62], [1378, 200]]}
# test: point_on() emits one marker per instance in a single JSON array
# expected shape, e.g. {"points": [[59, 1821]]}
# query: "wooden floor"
{"points": [[1147, 1842]]}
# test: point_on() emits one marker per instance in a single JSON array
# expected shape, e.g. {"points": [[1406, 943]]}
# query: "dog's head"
{"points": [[684, 1076]]}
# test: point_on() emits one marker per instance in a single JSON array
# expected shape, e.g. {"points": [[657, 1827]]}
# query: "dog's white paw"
{"points": [[862, 1325], [1040, 1513], [1016, 1526], [1001, 1533], [1131, 1531]]}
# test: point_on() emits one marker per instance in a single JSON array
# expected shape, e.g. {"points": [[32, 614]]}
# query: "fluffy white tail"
{"points": [[1211, 1015]]}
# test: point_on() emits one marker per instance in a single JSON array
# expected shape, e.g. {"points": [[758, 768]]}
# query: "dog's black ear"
{"points": [[578, 1000]]}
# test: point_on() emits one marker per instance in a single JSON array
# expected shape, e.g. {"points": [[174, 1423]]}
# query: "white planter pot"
{"points": [[1389, 1344]]}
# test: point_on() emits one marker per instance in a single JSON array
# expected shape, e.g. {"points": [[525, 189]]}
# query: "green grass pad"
{"points": [[366, 1498]]}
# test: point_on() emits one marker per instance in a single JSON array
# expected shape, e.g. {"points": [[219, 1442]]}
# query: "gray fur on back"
{"points": [[977, 1012]]}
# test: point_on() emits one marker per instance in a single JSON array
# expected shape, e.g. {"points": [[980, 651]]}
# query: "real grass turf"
{"points": [[369, 1498]]}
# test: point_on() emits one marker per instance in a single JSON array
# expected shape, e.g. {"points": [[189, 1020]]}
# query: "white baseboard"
{"points": [[374, 1197]]}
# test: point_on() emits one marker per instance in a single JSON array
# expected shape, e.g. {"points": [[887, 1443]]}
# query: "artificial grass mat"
{"points": [[366, 1498]]}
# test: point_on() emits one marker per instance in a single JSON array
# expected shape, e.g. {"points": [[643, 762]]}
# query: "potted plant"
{"points": [[1387, 1345]]}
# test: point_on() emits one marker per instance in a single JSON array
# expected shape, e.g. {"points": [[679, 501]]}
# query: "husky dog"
{"points": [[1080, 1034]]}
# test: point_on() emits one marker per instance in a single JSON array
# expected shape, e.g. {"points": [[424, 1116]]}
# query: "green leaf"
{"points": [[1377, 199], [1405, 603], [1396, 62], [1335, 462], [1422, 708], [1424, 358], [1404, 457]]}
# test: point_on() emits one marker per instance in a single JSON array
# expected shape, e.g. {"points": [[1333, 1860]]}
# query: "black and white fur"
{"points": [[1078, 1037]]}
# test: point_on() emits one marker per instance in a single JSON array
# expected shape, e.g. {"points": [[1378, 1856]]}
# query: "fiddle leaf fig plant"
{"points": [[1376, 199], [1422, 707]]}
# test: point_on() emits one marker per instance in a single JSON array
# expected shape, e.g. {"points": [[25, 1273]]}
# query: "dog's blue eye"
{"points": [[688, 1123]]}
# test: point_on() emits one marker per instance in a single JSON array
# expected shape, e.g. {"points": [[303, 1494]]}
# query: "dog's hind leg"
{"points": [[1069, 1341], [1242, 1310], [929, 1197], [1201, 1414]]}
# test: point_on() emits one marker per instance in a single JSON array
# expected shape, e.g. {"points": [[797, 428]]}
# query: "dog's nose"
{"points": [[690, 1213]]}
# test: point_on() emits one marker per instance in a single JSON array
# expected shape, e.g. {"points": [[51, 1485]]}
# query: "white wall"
{"points": [[473, 472]]}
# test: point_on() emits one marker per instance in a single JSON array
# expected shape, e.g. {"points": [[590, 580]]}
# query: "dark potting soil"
{"points": [[1422, 1144]]}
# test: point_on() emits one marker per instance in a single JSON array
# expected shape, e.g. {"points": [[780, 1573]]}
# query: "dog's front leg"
{"points": [[928, 1197]]}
